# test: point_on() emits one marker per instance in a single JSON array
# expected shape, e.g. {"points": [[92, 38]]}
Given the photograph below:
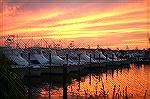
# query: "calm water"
{"points": [[136, 78]]}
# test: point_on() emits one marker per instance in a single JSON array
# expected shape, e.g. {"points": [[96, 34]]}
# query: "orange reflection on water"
{"points": [[43, 93], [54, 93], [136, 79]]}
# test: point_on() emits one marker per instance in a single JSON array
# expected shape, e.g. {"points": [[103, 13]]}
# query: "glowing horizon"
{"points": [[113, 25]]}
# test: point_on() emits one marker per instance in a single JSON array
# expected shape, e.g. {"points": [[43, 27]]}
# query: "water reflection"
{"points": [[132, 81]]}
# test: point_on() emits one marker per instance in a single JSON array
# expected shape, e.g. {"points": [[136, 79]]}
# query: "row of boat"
{"points": [[40, 59]]}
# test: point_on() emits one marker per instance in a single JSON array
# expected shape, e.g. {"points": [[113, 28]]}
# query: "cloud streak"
{"points": [[91, 21]]}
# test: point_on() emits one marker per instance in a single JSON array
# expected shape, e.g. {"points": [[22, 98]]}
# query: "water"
{"points": [[135, 80]]}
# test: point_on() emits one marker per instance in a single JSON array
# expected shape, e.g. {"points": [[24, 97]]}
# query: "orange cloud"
{"points": [[94, 22]]}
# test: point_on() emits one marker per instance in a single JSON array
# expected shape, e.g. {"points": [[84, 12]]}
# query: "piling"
{"points": [[94, 55], [126, 93], [90, 67], [106, 74], [67, 58], [96, 88], [114, 89], [90, 58], [90, 77], [112, 73], [106, 60], [99, 65], [79, 71], [106, 57], [99, 58], [112, 59], [65, 81], [79, 59], [145, 94], [29, 80], [49, 67]]}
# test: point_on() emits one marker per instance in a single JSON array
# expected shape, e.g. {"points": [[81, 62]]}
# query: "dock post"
{"points": [[94, 55], [90, 61], [145, 94], [106, 73], [112, 73], [29, 80], [79, 59], [99, 65], [65, 78], [67, 58], [79, 72], [112, 58], [65, 81], [99, 58], [90, 67], [106, 57], [49, 67], [90, 77], [90, 58], [106, 60]]}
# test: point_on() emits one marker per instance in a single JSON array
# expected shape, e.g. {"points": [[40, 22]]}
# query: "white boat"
{"points": [[14, 56], [38, 58], [75, 58], [99, 56], [87, 58], [111, 56], [55, 59], [57, 62], [20, 65]]}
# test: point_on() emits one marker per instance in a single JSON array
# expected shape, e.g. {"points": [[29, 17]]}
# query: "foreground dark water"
{"points": [[135, 79]]}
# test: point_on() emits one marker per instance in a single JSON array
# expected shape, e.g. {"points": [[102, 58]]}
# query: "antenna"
{"points": [[89, 47], [10, 40], [127, 47], [98, 47], [71, 44]]}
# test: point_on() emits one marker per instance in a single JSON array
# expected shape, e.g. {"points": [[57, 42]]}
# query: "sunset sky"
{"points": [[108, 23]]}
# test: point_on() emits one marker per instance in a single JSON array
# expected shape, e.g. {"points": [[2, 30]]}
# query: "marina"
{"points": [[74, 49], [71, 73], [39, 61]]}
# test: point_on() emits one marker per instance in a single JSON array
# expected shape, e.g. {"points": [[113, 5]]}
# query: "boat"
{"points": [[20, 65]]}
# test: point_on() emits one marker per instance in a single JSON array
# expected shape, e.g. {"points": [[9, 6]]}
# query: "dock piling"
{"points": [[29, 75], [90, 58], [67, 58], [65, 81], [49, 67], [113, 58], [79, 59]]}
